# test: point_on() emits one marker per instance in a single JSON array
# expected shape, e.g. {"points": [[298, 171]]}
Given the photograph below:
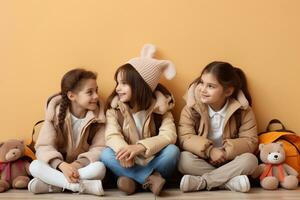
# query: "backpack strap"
{"points": [[32, 142], [275, 121]]}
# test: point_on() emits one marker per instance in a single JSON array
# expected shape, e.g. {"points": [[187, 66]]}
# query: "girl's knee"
{"points": [[248, 163], [99, 170], [99, 165], [172, 151], [35, 167], [107, 154], [169, 156], [184, 161]]}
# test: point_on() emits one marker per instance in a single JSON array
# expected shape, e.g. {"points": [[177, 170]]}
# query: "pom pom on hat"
{"points": [[150, 68]]}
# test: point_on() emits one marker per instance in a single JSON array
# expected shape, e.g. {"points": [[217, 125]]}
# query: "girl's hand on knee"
{"points": [[127, 163], [217, 163], [70, 172], [130, 151], [217, 156]]}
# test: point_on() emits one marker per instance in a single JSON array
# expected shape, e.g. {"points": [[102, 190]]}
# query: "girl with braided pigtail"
{"points": [[71, 139]]}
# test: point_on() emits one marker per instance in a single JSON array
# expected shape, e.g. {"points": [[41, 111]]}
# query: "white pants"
{"points": [[47, 174]]}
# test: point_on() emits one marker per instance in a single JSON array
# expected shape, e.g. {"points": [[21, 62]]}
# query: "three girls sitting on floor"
{"points": [[136, 139]]}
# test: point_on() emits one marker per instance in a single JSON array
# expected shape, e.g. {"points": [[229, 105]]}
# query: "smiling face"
{"points": [[123, 89], [211, 92], [85, 98]]}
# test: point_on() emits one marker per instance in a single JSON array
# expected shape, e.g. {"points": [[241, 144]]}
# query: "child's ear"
{"points": [[229, 91], [71, 95]]}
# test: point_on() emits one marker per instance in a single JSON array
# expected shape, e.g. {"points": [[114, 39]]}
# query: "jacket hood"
{"points": [[192, 97], [162, 104], [52, 109]]}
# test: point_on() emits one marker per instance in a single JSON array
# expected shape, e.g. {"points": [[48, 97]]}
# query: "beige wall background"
{"points": [[41, 40]]}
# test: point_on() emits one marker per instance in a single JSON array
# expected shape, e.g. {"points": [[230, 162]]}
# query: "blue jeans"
{"points": [[164, 162]]}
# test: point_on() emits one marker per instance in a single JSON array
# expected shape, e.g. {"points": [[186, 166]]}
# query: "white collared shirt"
{"points": [[139, 119], [216, 125]]}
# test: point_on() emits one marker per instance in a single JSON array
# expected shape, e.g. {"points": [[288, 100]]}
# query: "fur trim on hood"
{"points": [[192, 97], [52, 109], [163, 103]]}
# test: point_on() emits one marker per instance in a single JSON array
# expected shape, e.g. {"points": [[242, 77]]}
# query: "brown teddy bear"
{"points": [[14, 168], [273, 171]]}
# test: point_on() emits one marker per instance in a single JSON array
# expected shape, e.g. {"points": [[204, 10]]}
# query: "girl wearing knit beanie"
{"points": [[140, 132]]}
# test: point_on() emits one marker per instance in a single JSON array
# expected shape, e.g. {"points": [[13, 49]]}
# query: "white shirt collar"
{"points": [[221, 112], [73, 117]]}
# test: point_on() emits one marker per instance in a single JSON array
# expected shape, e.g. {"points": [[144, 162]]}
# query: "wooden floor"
{"points": [[254, 194]]}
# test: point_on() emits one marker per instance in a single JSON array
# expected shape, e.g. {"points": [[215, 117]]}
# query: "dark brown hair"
{"points": [[141, 92], [72, 81], [227, 76]]}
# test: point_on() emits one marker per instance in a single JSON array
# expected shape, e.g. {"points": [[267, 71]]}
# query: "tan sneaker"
{"points": [[191, 183], [238, 184], [91, 187], [37, 186], [155, 183], [126, 184]]}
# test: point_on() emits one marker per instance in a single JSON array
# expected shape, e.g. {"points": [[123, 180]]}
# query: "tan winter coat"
{"points": [[118, 136], [235, 142], [52, 148]]}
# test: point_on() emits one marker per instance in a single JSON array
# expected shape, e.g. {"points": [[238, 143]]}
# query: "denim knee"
{"points": [[171, 153], [107, 155]]}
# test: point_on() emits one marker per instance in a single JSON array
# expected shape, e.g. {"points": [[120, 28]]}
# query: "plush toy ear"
{"points": [[261, 146], [1, 143], [280, 143]]}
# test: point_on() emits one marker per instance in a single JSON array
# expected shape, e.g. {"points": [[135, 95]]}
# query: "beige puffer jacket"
{"points": [[52, 148], [235, 142], [120, 135]]}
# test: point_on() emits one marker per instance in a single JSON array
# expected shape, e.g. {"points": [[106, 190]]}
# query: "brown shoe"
{"points": [[155, 183], [126, 184]]}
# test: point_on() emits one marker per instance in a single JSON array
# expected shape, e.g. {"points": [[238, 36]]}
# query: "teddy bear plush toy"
{"points": [[273, 171], [14, 168]]}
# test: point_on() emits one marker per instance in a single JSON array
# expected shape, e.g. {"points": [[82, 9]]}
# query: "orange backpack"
{"points": [[290, 140], [29, 148]]}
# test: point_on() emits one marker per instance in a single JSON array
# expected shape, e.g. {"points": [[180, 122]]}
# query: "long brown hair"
{"points": [[227, 76], [141, 92], [72, 81]]}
